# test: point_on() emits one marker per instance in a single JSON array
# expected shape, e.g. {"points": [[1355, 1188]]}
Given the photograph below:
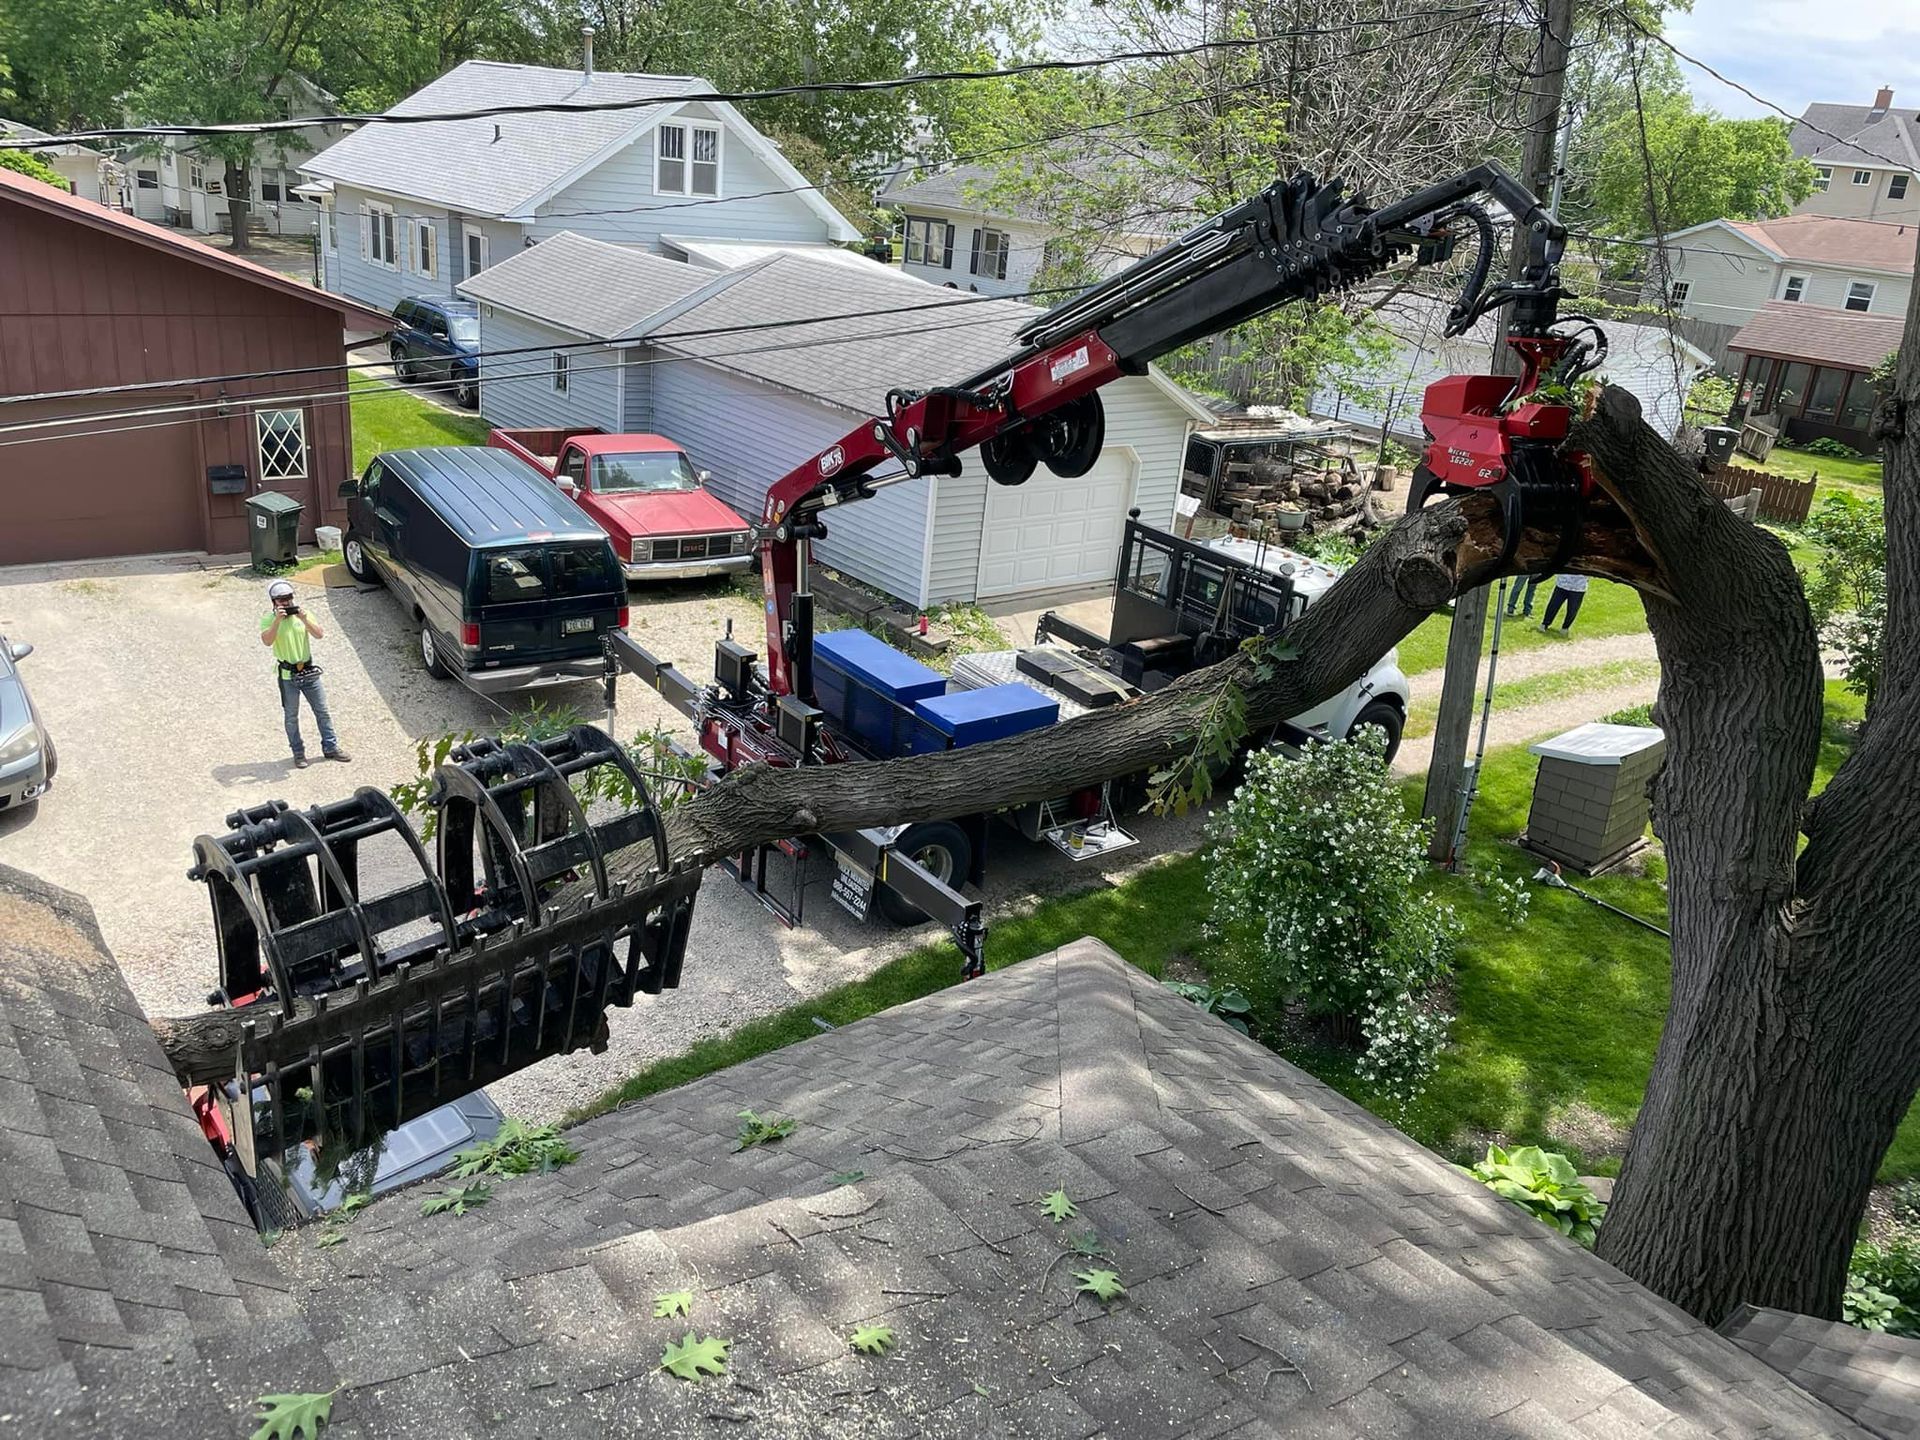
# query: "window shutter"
{"points": [[366, 236], [946, 250], [973, 266]]}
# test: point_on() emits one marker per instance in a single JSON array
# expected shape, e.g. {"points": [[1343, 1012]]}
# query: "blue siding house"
{"points": [[416, 209], [589, 333]]}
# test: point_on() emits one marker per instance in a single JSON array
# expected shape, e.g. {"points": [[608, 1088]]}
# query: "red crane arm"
{"points": [[1296, 240]]}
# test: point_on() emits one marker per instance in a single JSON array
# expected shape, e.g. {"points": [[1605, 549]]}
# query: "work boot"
{"points": [[339, 755], [300, 762]]}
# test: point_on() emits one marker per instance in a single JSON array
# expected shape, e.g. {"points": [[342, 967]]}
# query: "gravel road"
{"points": [[152, 679]]}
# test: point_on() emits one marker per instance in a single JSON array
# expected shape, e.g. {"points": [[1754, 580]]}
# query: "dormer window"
{"points": [[687, 160]]}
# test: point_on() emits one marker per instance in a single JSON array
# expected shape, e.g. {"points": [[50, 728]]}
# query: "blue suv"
{"points": [[438, 340]]}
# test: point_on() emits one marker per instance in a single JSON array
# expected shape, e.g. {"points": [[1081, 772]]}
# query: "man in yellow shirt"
{"points": [[290, 632]]}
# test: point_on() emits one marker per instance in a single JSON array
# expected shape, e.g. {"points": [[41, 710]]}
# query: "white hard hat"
{"points": [[279, 588]]}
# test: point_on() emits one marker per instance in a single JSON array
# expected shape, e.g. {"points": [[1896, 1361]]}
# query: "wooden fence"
{"points": [[1782, 500]]}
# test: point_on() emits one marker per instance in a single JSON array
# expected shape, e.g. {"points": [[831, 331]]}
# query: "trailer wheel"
{"points": [[1387, 716], [939, 847]]}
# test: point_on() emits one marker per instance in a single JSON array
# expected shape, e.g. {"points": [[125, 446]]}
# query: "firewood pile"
{"points": [[1331, 486]]}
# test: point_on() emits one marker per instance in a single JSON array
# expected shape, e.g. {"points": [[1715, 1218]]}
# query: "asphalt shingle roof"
{"points": [[1164, 206], [1888, 140], [599, 289], [1835, 240], [461, 163], [1875, 1379], [1850, 339], [1293, 1265], [850, 362]]}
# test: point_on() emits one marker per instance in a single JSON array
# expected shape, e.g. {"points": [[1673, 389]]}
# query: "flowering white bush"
{"points": [[1317, 901]]}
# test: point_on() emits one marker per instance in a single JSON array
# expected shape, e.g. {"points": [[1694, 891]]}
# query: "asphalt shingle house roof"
{"points": [[1867, 136], [1293, 1265], [588, 286], [494, 165], [1794, 330]]}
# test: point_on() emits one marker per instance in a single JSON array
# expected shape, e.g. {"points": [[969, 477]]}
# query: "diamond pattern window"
{"points": [[282, 436]]}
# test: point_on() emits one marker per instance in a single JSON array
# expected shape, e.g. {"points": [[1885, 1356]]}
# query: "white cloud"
{"points": [[1794, 52]]}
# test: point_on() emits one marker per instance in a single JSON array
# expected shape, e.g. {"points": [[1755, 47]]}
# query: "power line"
{"points": [[192, 412], [94, 392], [821, 87], [1659, 39]]}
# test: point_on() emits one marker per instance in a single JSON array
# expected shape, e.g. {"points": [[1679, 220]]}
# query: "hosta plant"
{"points": [[1544, 1183]]}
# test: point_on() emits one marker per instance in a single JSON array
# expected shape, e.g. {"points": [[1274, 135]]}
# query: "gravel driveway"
{"points": [[152, 679]]}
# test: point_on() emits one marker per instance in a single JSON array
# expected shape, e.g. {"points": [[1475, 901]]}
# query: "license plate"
{"points": [[853, 888], [577, 625]]}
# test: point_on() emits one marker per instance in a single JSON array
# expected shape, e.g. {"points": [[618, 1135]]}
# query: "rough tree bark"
{"points": [[1793, 1044]]}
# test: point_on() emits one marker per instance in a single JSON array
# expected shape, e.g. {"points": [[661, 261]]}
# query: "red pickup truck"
{"points": [[644, 492]]}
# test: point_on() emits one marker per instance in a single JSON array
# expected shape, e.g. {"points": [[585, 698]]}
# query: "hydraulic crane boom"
{"points": [[1299, 239]]}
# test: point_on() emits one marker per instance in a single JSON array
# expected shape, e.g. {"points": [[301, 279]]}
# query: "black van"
{"points": [[510, 582]]}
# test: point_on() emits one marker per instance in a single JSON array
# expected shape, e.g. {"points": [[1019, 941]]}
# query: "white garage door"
{"points": [[1050, 533]]}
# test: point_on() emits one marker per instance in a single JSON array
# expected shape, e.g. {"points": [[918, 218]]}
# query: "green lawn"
{"points": [[1861, 473], [400, 420], [1564, 1011], [1609, 609]]}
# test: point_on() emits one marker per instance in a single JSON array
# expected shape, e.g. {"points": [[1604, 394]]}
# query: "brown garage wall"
{"points": [[81, 307]]}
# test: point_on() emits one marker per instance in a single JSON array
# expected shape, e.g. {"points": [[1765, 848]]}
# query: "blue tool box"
{"points": [[868, 689], [973, 717]]}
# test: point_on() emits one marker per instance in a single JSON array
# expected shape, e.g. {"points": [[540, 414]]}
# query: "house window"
{"points": [[270, 189], [1856, 409], [1680, 291], [1795, 288], [1863, 177], [930, 242], [1897, 187], [377, 235], [196, 175], [560, 372], [146, 179], [426, 249], [990, 254], [1822, 177], [672, 173], [1823, 399], [706, 161], [333, 227], [476, 246], [282, 440], [1860, 295]]}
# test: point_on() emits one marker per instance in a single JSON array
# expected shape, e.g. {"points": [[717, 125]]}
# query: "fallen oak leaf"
{"points": [[688, 1358]]}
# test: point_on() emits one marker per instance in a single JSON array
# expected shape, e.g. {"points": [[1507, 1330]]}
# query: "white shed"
{"points": [[757, 369]]}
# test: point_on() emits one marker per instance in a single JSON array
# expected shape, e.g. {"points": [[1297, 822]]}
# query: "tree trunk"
{"points": [[1793, 1042], [239, 196]]}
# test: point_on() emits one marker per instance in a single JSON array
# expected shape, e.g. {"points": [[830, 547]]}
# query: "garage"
{"points": [[195, 379], [105, 489], [1049, 533]]}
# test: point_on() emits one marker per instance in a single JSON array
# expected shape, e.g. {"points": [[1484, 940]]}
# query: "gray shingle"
{"points": [[461, 164], [586, 285]]}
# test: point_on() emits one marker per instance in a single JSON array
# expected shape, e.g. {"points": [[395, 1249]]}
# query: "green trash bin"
{"points": [[273, 527]]}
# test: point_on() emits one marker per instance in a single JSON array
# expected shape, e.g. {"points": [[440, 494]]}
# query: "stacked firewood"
{"points": [[1329, 487]]}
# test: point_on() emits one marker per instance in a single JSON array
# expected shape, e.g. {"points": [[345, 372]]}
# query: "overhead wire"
{"points": [[778, 92]]}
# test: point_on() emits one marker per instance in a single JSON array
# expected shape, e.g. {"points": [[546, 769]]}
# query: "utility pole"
{"points": [[1448, 779]]}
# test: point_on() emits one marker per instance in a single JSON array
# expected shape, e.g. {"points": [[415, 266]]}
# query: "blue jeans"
{"points": [[1517, 596], [292, 687]]}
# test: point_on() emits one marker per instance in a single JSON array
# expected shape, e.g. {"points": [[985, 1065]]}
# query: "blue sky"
{"points": [[1794, 52]]}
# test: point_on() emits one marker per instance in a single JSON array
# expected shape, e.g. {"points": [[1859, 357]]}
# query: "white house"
{"points": [[956, 231], [1866, 160], [755, 370], [1724, 270], [88, 173], [186, 187], [1655, 366], [416, 209]]}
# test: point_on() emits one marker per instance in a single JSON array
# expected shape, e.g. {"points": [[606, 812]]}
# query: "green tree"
{"points": [[1702, 165], [33, 167], [375, 52], [221, 62], [71, 60], [1847, 590]]}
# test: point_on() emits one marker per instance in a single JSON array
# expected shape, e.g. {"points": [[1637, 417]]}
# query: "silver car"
{"points": [[27, 758]]}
